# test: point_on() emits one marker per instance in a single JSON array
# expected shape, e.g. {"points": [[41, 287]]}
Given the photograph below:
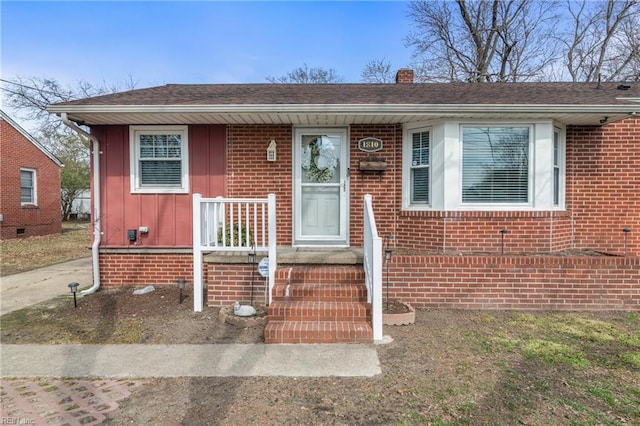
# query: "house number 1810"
{"points": [[370, 144]]}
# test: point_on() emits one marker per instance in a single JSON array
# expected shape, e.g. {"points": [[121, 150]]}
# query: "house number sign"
{"points": [[370, 144]]}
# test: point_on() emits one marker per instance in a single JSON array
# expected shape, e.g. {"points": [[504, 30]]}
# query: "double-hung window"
{"points": [[495, 164], [419, 170], [28, 186], [159, 159]]}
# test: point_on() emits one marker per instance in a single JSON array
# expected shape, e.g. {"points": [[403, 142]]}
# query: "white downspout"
{"points": [[95, 146]]}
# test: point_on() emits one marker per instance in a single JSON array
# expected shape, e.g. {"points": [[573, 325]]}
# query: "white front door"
{"points": [[321, 187]]}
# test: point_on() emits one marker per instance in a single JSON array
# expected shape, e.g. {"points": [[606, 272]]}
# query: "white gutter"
{"points": [[95, 146]]}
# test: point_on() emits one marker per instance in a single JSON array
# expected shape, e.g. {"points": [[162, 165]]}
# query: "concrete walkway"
{"points": [[145, 361], [140, 361], [28, 288]]}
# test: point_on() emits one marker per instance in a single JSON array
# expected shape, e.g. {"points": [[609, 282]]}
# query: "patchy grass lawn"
{"points": [[25, 254]]}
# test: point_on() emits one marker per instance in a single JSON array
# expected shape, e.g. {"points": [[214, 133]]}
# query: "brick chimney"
{"points": [[404, 75]]}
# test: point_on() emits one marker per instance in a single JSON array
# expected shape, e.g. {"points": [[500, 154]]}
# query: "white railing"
{"points": [[232, 224], [373, 267]]}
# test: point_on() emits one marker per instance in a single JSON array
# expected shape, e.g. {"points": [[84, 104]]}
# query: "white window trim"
{"points": [[407, 147], [562, 159], [35, 187], [134, 131], [446, 166]]}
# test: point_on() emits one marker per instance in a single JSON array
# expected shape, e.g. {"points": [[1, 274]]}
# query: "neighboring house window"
{"points": [[419, 169], [495, 164], [159, 159], [28, 193]]}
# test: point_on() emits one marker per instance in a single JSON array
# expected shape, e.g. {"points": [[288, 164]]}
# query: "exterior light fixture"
{"points": [[626, 232], [271, 151], [504, 231], [74, 289], [181, 282]]}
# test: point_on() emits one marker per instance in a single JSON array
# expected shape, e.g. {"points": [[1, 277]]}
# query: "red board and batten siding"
{"points": [[168, 216]]}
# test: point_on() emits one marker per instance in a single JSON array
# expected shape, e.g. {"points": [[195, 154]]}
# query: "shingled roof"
{"points": [[408, 100]]}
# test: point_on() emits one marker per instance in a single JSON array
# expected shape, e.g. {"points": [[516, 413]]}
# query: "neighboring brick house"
{"points": [[495, 193], [30, 183]]}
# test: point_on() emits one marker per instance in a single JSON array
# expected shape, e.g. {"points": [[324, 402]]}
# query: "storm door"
{"points": [[321, 187]]}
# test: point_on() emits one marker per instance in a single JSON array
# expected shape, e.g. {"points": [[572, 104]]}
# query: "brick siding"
{"points": [[41, 219], [516, 282], [139, 268]]}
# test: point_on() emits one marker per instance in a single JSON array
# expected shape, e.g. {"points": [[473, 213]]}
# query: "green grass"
{"points": [[25, 254]]}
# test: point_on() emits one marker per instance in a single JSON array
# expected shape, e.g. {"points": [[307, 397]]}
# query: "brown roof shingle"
{"points": [[372, 94]]}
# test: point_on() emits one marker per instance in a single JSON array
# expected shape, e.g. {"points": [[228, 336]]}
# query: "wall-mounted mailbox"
{"points": [[374, 164]]}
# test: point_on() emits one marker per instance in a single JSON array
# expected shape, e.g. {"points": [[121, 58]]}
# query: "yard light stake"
{"points": [[181, 282], [626, 232], [503, 231], [74, 289]]}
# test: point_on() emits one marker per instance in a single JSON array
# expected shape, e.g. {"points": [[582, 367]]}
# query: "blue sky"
{"points": [[156, 43]]}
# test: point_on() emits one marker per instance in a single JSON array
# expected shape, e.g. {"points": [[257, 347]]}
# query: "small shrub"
{"points": [[235, 236]]}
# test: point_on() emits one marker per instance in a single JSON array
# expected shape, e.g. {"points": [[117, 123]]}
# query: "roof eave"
{"points": [[345, 108]]}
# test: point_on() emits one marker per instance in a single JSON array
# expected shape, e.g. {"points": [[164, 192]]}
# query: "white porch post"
{"points": [[377, 293], [197, 255], [273, 260]]}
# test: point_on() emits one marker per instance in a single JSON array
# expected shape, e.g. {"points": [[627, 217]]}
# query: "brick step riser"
{"points": [[319, 276], [323, 311], [321, 293], [297, 332]]}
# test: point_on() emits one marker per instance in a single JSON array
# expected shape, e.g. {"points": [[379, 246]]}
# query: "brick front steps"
{"points": [[319, 304]]}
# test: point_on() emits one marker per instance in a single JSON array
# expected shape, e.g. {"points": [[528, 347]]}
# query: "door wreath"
{"points": [[319, 160]]}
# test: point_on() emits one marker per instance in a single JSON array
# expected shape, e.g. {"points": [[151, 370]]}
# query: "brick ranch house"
{"points": [[29, 184], [498, 196]]}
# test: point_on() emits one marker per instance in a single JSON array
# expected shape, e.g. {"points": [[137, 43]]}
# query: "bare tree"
{"points": [[604, 42], [377, 71], [306, 75], [482, 41], [30, 97]]}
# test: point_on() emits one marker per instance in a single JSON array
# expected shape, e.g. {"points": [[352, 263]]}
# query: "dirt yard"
{"points": [[450, 367]]}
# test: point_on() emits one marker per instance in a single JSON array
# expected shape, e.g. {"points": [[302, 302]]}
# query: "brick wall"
{"points": [[250, 175], [41, 219], [516, 282], [602, 198], [603, 191], [125, 268], [227, 283]]}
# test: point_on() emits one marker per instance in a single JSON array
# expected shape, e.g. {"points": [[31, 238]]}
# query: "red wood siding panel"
{"points": [[168, 216], [44, 218]]}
